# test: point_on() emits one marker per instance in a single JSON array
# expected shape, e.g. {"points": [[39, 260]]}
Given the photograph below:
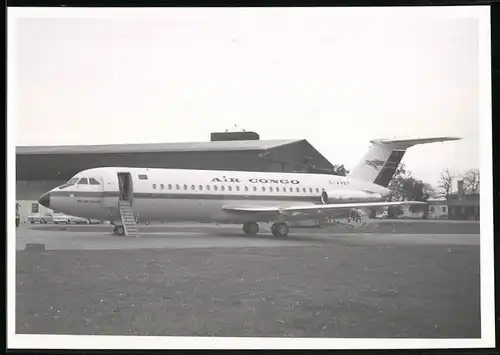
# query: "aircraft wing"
{"points": [[312, 209]]}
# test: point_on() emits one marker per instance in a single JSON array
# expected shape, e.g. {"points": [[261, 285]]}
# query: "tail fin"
{"points": [[383, 158]]}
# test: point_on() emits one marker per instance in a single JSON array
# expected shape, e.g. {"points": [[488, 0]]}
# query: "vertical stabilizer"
{"points": [[383, 158]]}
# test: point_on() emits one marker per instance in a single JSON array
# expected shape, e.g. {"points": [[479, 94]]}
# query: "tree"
{"points": [[445, 182], [404, 187], [471, 181], [339, 169]]}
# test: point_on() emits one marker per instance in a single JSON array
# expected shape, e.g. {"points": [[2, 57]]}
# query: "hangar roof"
{"points": [[155, 147], [59, 163]]}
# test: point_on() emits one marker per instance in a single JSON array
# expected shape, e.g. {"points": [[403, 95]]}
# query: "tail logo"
{"points": [[375, 163]]}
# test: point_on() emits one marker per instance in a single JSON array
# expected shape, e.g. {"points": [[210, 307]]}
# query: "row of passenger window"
{"points": [[237, 188]]}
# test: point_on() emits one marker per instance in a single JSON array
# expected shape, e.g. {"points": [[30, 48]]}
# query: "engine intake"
{"points": [[348, 196]]}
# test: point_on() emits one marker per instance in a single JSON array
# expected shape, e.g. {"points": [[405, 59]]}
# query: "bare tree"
{"points": [[471, 181], [445, 182]]}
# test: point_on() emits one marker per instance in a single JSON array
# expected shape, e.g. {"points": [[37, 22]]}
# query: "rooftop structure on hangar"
{"points": [[40, 168]]}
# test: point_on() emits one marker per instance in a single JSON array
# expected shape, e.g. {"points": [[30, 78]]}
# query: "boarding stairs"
{"points": [[128, 220]]}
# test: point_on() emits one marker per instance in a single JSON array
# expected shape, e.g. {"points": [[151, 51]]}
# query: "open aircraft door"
{"points": [[109, 191]]}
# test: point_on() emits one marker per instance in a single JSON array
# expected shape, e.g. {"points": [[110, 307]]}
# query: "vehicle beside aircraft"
{"points": [[123, 195]]}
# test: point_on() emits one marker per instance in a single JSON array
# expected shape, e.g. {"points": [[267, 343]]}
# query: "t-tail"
{"points": [[379, 164]]}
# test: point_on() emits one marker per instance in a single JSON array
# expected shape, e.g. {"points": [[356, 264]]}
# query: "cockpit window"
{"points": [[83, 181], [93, 181], [70, 182]]}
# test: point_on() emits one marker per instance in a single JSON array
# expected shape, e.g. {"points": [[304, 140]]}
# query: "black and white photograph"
{"points": [[250, 178]]}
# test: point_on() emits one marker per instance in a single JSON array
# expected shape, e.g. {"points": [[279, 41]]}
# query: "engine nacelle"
{"points": [[336, 196]]}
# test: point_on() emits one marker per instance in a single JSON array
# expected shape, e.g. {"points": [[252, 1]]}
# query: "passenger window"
{"points": [[291, 189], [200, 187], [222, 188], [304, 189], [83, 181], [263, 188], [246, 188], [170, 186], [270, 189], [317, 190], [298, 190], [215, 187], [143, 177], [229, 188], [185, 187], [154, 186], [277, 189], [255, 188], [193, 187], [162, 186], [177, 186], [208, 187], [93, 181], [310, 190], [237, 188]]}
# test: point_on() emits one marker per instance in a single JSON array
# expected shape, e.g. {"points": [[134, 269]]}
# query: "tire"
{"points": [[119, 230], [280, 229], [251, 228]]}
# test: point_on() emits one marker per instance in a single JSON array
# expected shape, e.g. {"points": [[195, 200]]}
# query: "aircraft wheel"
{"points": [[280, 229], [119, 230], [250, 228]]}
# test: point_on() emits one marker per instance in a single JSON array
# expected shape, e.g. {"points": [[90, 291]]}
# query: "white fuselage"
{"points": [[200, 195]]}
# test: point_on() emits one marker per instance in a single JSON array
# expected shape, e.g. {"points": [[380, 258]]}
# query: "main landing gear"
{"points": [[279, 229]]}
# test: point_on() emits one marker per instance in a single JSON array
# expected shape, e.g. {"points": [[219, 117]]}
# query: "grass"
{"points": [[338, 290]]}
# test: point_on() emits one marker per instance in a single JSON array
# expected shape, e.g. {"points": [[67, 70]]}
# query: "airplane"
{"points": [[231, 197]]}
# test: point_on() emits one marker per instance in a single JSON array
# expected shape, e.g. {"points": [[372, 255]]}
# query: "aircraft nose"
{"points": [[44, 200]]}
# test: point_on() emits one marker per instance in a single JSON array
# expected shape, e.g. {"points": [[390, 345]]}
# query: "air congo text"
{"points": [[254, 180]]}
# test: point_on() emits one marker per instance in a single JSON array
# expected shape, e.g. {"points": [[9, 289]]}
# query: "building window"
{"points": [[431, 209], [93, 181], [443, 209], [143, 177], [34, 208]]}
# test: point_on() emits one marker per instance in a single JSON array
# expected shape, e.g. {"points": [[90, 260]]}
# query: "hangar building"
{"points": [[39, 169]]}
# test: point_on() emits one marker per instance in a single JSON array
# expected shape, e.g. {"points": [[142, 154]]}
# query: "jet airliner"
{"points": [[121, 195]]}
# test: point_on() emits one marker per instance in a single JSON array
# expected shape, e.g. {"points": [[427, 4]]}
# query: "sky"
{"points": [[336, 81]]}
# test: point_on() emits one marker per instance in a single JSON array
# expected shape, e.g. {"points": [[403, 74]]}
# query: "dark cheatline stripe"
{"points": [[143, 195], [387, 172]]}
